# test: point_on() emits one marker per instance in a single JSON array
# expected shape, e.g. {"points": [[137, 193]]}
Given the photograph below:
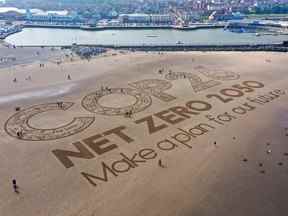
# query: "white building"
{"points": [[216, 7], [161, 18], [51, 17], [145, 18], [134, 18]]}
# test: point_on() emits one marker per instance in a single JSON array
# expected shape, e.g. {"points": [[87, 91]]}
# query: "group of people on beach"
{"points": [[161, 71], [19, 133], [60, 104], [29, 78], [7, 59], [106, 88], [128, 114]]}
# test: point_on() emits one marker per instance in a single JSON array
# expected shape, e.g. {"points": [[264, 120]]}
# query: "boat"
{"points": [[91, 28], [152, 36]]}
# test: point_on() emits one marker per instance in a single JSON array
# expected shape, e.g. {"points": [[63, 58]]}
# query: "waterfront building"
{"points": [[188, 17], [52, 17], [134, 18], [216, 7], [224, 16], [146, 18], [8, 29], [161, 18]]}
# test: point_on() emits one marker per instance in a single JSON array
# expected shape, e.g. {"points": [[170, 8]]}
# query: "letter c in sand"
{"points": [[18, 125]]}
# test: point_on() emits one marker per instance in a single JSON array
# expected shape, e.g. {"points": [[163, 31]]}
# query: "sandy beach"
{"points": [[11, 55], [180, 133]]}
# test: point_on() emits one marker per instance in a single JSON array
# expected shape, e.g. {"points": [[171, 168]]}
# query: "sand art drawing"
{"points": [[154, 87], [142, 91], [221, 75], [198, 84], [18, 125], [91, 101]]}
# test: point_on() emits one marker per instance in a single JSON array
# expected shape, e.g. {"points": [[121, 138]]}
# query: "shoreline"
{"points": [[82, 26], [27, 55], [103, 28], [100, 28], [273, 47]]}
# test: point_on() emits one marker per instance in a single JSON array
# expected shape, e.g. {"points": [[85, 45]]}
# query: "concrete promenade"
{"points": [[273, 47]]}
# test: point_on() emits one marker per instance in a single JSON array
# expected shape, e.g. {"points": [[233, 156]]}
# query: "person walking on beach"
{"points": [[60, 104], [15, 186], [19, 133], [69, 77], [160, 164]]}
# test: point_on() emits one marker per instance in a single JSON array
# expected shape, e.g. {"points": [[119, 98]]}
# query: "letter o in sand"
{"points": [[253, 84], [231, 92], [198, 105], [239, 110], [221, 75], [91, 102]]}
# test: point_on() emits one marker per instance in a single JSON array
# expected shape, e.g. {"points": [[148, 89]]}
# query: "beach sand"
{"points": [[235, 166], [10, 55]]}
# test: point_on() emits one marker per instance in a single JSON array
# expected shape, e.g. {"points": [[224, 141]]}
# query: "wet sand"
{"points": [[237, 165], [11, 56]]}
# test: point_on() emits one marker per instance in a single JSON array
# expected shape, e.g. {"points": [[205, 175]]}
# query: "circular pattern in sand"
{"points": [[221, 75], [97, 102]]}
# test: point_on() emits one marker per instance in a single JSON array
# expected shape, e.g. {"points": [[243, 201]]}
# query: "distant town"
{"points": [[180, 14]]}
